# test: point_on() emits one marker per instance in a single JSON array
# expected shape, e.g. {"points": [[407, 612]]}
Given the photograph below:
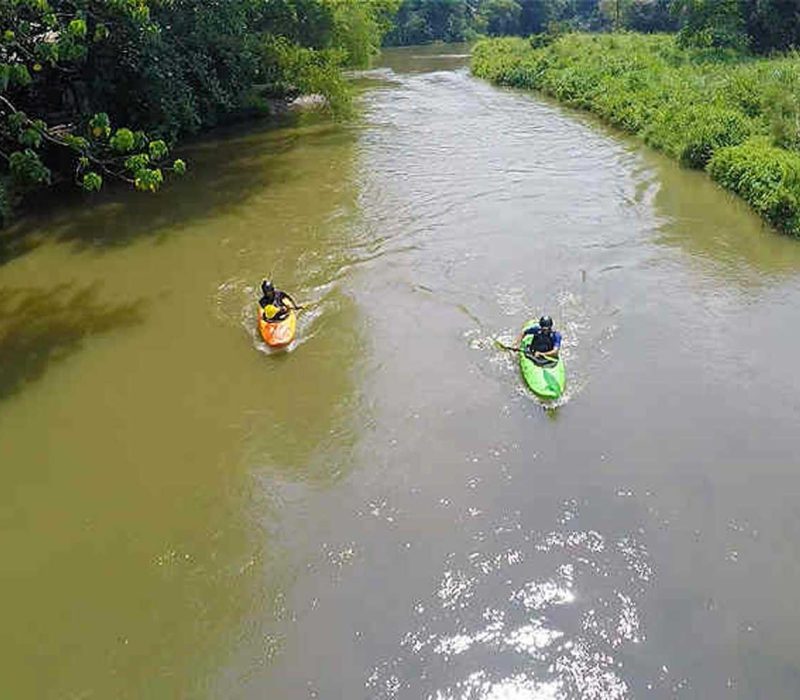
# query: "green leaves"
{"points": [[30, 137], [711, 24], [123, 141], [12, 74], [36, 37], [92, 182], [77, 28], [768, 178], [76, 143], [158, 150], [100, 126], [20, 75], [26, 167], [101, 33], [138, 162], [166, 68], [149, 179], [47, 52], [16, 120]]}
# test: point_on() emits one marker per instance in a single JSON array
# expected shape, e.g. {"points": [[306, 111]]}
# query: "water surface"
{"points": [[384, 512]]}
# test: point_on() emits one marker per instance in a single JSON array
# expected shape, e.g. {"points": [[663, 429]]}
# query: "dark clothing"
{"points": [[276, 299], [543, 340]]}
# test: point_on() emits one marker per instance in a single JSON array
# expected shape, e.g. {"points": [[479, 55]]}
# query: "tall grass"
{"points": [[734, 115]]}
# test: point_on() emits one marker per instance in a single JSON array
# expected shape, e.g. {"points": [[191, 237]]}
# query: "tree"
{"points": [[359, 26], [423, 21], [500, 17], [92, 90], [47, 127], [772, 24], [650, 16], [614, 11], [537, 15], [711, 23]]}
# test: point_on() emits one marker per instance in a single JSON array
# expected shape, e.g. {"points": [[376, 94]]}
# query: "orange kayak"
{"points": [[278, 334]]}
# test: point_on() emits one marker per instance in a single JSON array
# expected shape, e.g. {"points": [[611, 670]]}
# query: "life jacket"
{"points": [[271, 311], [542, 342], [274, 309]]}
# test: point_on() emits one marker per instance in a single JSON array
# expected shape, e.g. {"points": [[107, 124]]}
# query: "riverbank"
{"points": [[736, 116]]}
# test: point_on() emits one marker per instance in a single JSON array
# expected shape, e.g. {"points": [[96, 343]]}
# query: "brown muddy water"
{"points": [[384, 512]]}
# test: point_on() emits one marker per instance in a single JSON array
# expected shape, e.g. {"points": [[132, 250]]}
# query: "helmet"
{"points": [[267, 287], [545, 322]]}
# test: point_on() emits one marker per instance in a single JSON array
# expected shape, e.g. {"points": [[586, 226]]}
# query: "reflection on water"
{"points": [[499, 634], [41, 326]]}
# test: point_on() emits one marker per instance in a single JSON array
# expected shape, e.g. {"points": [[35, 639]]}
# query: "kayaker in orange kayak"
{"points": [[273, 303]]}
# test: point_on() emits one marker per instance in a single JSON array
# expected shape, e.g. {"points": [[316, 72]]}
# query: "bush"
{"points": [[691, 134], [766, 177], [291, 69], [743, 91]]}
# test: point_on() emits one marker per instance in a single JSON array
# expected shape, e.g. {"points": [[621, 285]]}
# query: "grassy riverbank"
{"points": [[736, 116]]}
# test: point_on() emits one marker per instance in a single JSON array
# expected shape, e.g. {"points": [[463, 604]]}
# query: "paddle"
{"points": [[503, 346]]}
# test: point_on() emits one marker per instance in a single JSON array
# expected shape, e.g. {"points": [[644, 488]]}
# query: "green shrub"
{"points": [[744, 91], [782, 110], [765, 176], [575, 86], [691, 134]]}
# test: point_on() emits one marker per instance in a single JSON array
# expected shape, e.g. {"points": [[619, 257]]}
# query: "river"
{"points": [[384, 512]]}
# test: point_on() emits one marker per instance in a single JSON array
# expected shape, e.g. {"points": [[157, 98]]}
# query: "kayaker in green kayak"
{"points": [[545, 343]]}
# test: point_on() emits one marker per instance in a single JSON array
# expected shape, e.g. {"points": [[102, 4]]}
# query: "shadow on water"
{"points": [[38, 328], [223, 174]]}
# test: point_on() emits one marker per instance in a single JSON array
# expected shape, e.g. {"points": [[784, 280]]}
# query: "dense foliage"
{"points": [[98, 89], [761, 25], [423, 21], [735, 115]]}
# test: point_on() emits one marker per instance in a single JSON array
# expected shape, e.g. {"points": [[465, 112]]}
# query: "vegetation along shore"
{"points": [[718, 108], [101, 90]]}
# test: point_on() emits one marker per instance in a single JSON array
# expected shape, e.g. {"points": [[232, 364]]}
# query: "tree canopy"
{"points": [[92, 90], [762, 25]]}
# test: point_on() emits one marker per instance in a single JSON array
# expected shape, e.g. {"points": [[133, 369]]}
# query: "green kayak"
{"points": [[547, 382]]}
